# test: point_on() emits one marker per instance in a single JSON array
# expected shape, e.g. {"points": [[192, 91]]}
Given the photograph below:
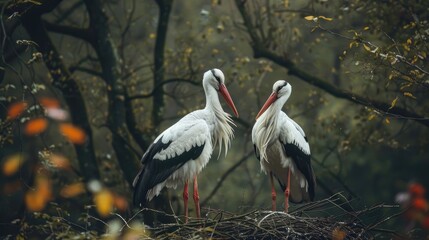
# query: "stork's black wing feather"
{"points": [[156, 171], [302, 161]]}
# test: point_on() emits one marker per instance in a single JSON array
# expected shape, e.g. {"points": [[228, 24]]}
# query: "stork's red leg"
{"points": [[273, 193], [196, 197], [287, 191], [185, 200]]}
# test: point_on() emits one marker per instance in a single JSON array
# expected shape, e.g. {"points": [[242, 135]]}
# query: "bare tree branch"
{"points": [[173, 80], [80, 33], [224, 176]]}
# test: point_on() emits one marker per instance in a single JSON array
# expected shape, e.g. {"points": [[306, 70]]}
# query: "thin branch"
{"points": [[80, 33], [87, 70], [64, 15], [173, 80], [225, 175]]}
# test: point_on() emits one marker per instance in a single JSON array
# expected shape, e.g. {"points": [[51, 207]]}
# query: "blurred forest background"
{"points": [[86, 85]]}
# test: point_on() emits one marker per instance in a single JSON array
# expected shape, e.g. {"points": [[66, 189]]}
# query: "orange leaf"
{"points": [[417, 190], [72, 190], [73, 133], [44, 187], [35, 126], [338, 234], [15, 109], [34, 201], [104, 202], [12, 164], [59, 161], [121, 203], [47, 102], [420, 204]]}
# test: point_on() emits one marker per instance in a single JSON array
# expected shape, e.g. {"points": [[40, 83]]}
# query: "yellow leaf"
{"points": [[12, 164], [152, 35], [367, 47], [354, 43], [365, 28], [286, 3], [405, 86], [392, 105], [387, 121], [104, 202], [309, 18], [372, 116], [325, 18], [409, 41], [35, 2], [406, 47], [408, 94], [215, 2], [209, 229]]}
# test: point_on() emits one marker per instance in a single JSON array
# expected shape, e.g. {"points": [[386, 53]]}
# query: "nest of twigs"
{"points": [[262, 225], [339, 222]]}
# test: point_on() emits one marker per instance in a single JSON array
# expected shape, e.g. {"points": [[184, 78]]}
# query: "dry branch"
{"points": [[322, 219]]}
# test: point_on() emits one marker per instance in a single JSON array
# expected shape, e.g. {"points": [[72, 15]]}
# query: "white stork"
{"points": [[180, 152], [282, 148]]}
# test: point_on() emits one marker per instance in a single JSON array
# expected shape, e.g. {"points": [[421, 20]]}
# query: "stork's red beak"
{"points": [[228, 99], [272, 98]]}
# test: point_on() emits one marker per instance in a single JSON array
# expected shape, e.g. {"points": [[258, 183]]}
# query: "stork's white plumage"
{"points": [[180, 153], [282, 148]]}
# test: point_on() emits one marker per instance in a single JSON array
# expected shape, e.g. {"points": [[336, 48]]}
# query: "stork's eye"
{"points": [[214, 75], [281, 86]]}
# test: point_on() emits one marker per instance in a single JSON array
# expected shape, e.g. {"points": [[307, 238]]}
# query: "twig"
{"points": [[225, 175]]}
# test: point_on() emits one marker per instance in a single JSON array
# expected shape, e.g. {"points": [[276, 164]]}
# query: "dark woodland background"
{"points": [[86, 85]]}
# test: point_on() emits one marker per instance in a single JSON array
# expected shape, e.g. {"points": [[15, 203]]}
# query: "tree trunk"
{"points": [[110, 64], [161, 37]]}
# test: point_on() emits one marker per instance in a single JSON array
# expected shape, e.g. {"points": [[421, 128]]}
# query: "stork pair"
{"points": [[181, 152]]}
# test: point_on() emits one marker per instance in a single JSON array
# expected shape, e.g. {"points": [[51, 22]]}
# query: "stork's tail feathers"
{"points": [[140, 192]]}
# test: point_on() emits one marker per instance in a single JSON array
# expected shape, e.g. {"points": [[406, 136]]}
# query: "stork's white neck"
{"points": [[212, 99], [267, 123], [222, 130]]}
